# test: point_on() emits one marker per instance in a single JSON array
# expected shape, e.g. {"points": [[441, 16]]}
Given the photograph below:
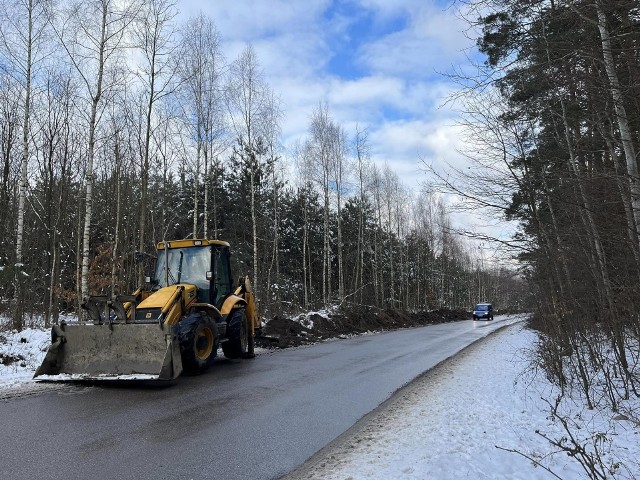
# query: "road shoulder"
{"points": [[362, 436]]}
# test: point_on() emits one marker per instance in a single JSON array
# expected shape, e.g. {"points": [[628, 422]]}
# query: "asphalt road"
{"points": [[250, 419]]}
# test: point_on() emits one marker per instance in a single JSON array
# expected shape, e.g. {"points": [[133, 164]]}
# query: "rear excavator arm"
{"points": [[245, 291]]}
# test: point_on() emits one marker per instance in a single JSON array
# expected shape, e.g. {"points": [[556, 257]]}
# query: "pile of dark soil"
{"points": [[282, 332]]}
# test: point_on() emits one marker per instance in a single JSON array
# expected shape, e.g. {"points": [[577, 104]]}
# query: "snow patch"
{"points": [[21, 353], [306, 319], [475, 416]]}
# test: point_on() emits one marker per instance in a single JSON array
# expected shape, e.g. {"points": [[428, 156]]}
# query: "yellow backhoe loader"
{"points": [[177, 324]]}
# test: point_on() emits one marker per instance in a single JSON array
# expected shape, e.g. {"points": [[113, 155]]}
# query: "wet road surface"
{"points": [[250, 419]]}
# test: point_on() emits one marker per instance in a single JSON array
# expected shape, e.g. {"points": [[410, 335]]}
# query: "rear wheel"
{"points": [[238, 335], [198, 348]]}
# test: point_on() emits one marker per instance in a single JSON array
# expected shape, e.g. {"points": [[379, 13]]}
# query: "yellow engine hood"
{"points": [[163, 297], [168, 303]]}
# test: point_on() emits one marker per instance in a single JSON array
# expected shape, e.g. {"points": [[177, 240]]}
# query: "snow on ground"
{"points": [[474, 416], [460, 420], [306, 318], [23, 352]]}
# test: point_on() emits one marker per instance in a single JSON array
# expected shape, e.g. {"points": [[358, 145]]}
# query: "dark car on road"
{"points": [[483, 310]]}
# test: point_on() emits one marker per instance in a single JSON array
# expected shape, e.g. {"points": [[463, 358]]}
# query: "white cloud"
{"points": [[396, 94], [388, 9], [432, 41], [287, 36], [367, 90], [250, 20], [431, 140]]}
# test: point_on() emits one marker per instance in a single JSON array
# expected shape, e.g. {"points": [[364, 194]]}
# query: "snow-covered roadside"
{"points": [[21, 353], [468, 418]]}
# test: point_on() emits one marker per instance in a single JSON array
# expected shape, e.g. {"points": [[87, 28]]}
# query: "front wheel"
{"points": [[238, 335], [198, 348]]}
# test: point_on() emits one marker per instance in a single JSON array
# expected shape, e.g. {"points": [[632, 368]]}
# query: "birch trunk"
{"points": [[18, 312], [621, 117], [196, 186], [214, 195], [90, 154], [358, 280]]}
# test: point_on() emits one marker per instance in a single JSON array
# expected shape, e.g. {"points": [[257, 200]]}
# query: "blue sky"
{"points": [[375, 62]]}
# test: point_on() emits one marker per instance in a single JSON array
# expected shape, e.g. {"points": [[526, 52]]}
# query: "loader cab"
{"points": [[203, 263], [220, 275]]}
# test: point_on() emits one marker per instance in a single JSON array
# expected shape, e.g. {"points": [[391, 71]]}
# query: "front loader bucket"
{"points": [[116, 351]]}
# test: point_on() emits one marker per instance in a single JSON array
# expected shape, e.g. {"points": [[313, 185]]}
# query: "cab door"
{"points": [[222, 284]]}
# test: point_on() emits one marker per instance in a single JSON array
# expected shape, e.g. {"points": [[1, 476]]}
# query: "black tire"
{"points": [[238, 335], [198, 349]]}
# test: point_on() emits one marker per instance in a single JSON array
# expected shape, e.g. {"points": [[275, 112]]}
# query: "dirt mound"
{"points": [[283, 332]]}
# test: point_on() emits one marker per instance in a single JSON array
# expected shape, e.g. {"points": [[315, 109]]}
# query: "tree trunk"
{"points": [[305, 246], [116, 235], [144, 177], [326, 257], [341, 292], [254, 222], [90, 154], [621, 117], [205, 219], [196, 187], [214, 195], [275, 261], [18, 312]]}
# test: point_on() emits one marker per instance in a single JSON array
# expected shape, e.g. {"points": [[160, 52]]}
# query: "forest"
{"points": [[122, 125], [553, 116]]}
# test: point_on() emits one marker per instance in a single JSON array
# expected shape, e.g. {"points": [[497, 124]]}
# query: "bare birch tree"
{"points": [[201, 68], [22, 33], [362, 166], [339, 147], [305, 178], [154, 36], [317, 155], [376, 185], [92, 33], [247, 94], [271, 132]]}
